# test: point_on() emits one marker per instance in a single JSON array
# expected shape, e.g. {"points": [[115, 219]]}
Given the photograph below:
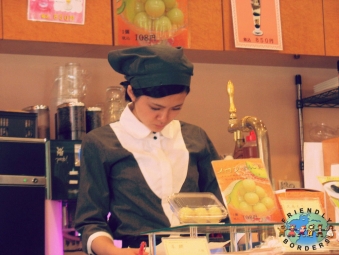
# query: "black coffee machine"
{"points": [[65, 168]]}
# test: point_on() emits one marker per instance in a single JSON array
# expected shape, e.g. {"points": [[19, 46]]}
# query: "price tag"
{"points": [[289, 184]]}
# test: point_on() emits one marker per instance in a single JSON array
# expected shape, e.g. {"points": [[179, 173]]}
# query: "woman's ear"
{"points": [[130, 93]]}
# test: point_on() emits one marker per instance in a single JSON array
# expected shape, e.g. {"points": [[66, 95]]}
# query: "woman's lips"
{"points": [[160, 126]]}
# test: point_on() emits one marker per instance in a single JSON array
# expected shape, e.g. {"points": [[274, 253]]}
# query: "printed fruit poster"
{"points": [[149, 22], [256, 24], [247, 191]]}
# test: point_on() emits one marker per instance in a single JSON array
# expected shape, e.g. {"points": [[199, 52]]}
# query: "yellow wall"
{"points": [[268, 93]]}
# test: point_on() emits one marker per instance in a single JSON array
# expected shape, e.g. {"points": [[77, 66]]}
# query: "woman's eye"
{"points": [[158, 109]]}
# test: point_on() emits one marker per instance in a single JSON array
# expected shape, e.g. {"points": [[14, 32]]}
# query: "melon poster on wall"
{"points": [[247, 191], [149, 22], [256, 24]]}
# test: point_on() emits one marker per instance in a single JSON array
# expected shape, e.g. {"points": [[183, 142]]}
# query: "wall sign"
{"points": [[256, 24], [59, 11], [138, 23]]}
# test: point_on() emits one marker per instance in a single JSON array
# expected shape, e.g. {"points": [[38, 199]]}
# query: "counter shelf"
{"points": [[194, 229]]}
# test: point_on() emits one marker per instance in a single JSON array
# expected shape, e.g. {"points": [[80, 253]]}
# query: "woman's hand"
{"points": [[132, 251], [102, 245], [127, 251]]}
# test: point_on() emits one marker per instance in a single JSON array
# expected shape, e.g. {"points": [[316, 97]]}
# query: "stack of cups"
{"points": [[115, 103]]}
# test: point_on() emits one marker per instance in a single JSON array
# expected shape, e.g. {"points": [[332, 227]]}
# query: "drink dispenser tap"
{"points": [[247, 124]]}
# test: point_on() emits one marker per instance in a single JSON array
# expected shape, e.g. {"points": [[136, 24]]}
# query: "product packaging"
{"points": [[292, 201], [247, 191]]}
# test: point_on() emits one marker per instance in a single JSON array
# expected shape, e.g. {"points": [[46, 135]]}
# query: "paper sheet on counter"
{"points": [[160, 249]]}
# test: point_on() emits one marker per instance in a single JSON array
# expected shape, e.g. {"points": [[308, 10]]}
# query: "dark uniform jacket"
{"points": [[114, 195]]}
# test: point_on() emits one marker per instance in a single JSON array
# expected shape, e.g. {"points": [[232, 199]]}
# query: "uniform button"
{"points": [[155, 138]]}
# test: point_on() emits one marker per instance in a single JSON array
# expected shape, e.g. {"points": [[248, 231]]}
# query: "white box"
{"points": [[313, 165]]}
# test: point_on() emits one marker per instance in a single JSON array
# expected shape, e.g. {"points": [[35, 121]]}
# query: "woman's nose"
{"points": [[163, 116]]}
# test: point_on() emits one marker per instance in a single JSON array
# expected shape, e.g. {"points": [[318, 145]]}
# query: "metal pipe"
{"points": [[246, 124], [299, 104]]}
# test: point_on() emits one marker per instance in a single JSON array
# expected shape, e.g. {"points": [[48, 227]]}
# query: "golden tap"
{"points": [[246, 124], [233, 110]]}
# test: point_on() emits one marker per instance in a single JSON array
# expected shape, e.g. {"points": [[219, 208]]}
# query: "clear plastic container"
{"points": [[250, 149], [70, 85], [42, 120], [197, 207], [321, 131], [115, 103]]}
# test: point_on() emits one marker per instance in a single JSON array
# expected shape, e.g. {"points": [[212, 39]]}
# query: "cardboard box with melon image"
{"points": [[149, 22], [247, 191]]}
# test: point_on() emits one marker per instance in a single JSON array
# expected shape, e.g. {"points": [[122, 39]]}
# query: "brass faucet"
{"points": [[246, 124]]}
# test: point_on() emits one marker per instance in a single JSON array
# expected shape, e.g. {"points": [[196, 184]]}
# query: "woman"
{"points": [[130, 167]]}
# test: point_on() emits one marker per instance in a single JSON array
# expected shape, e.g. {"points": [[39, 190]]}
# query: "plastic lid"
{"points": [[251, 137]]}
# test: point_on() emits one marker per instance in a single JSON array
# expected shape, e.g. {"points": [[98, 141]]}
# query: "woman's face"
{"points": [[156, 113]]}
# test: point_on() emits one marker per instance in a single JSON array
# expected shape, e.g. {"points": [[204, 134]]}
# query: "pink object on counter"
{"points": [[118, 243], [53, 228]]}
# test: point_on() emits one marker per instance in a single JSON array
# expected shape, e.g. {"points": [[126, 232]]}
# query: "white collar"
{"points": [[137, 129]]}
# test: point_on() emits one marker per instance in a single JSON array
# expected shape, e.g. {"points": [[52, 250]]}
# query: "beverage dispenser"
{"points": [[65, 167]]}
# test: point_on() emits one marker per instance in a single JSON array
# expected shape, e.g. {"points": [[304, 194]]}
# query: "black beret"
{"points": [[149, 66]]}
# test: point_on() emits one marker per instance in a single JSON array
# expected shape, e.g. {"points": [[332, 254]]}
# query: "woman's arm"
{"points": [[103, 245], [93, 196]]}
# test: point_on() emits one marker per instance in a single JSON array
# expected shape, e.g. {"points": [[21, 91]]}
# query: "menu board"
{"points": [[247, 191], [256, 24], [59, 11], [139, 22]]}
